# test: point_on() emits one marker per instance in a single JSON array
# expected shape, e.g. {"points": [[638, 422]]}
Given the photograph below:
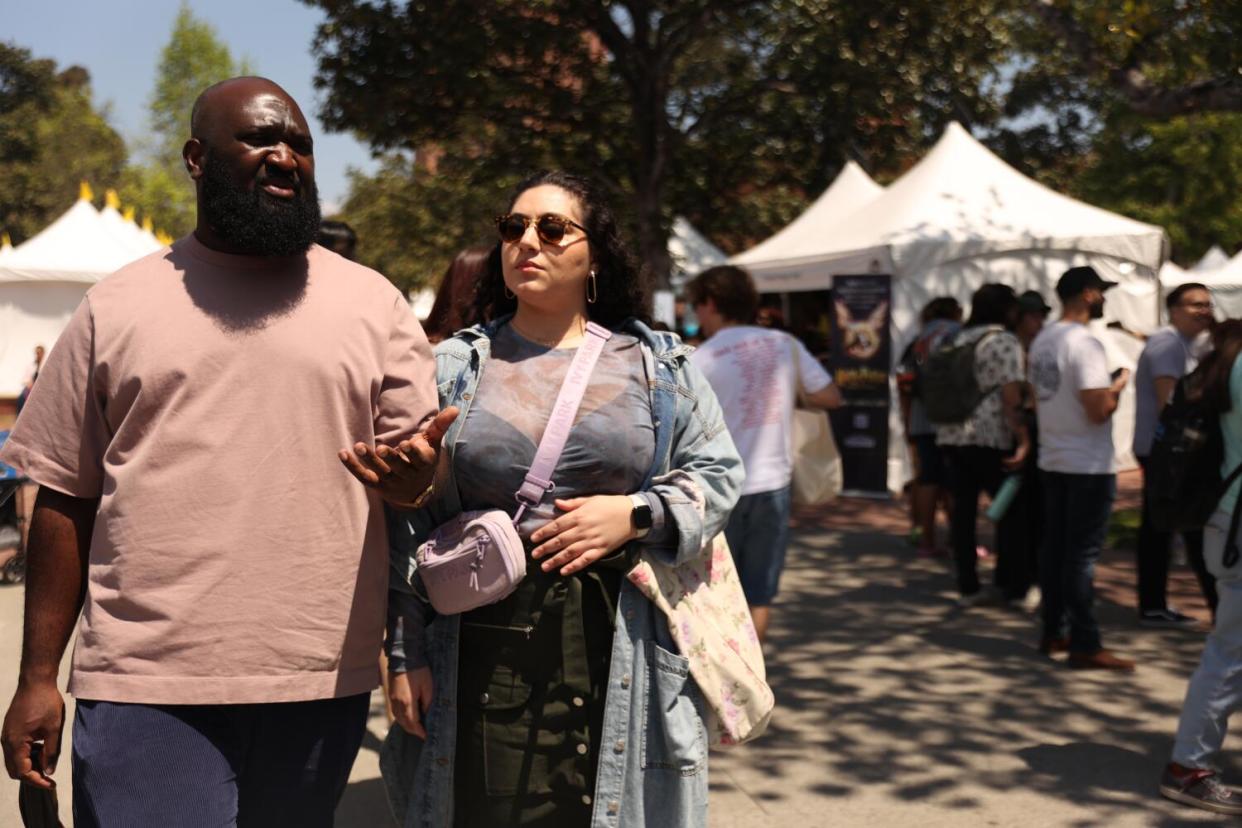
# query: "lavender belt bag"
{"points": [[477, 558]]}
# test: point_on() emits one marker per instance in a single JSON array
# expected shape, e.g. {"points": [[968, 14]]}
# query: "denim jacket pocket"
{"points": [[673, 735]]}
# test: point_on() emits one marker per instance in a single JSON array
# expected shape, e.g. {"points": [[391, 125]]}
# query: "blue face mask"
{"points": [[690, 328]]}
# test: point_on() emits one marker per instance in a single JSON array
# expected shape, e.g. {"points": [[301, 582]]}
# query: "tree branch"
{"points": [[1222, 94]]}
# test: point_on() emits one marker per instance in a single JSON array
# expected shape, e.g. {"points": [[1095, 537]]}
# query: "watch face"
{"points": [[641, 517]]}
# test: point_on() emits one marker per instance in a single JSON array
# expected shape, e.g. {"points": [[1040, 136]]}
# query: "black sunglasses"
{"points": [[550, 227]]}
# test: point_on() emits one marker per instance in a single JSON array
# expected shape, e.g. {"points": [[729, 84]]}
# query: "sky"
{"points": [[119, 43]]}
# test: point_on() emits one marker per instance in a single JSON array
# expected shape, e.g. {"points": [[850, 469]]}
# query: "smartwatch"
{"points": [[640, 516]]}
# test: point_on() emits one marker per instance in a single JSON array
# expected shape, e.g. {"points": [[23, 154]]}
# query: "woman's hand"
{"points": [[403, 472], [410, 696], [590, 528]]}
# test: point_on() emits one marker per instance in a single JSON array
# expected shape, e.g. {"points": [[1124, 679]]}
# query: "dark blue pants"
{"points": [[1076, 512], [137, 765]]}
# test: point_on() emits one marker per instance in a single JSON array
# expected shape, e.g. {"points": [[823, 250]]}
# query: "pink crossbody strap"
{"points": [[538, 480]]}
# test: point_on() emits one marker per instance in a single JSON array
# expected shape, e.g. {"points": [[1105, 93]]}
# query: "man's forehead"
{"points": [[251, 100]]}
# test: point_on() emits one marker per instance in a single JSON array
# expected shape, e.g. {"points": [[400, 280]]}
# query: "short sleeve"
{"points": [[811, 375], [1090, 365], [1001, 357], [408, 398], [61, 437], [1166, 355]]}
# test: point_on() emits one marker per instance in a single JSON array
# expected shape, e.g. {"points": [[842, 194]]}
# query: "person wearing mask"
{"points": [[758, 374], [1016, 573], [992, 441], [1075, 401], [1215, 689], [942, 319], [1169, 354], [550, 707]]}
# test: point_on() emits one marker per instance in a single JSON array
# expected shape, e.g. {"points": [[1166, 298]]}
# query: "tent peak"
{"points": [[111, 199], [84, 191]]}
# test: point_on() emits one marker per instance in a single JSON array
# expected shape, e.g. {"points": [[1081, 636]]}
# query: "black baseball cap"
{"points": [[1078, 279], [1032, 301]]}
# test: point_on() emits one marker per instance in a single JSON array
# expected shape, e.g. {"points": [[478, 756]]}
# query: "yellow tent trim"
{"points": [[5, 241], [84, 192], [162, 237], [111, 199], [147, 224], [128, 214]]}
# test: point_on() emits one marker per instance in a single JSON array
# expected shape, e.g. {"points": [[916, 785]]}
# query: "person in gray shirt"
{"points": [[1170, 353]]}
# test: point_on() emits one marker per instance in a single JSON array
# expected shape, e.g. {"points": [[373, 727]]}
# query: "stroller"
{"points": [[12, 516]]}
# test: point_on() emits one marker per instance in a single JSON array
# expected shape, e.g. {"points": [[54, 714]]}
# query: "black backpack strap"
{"points": [[1231, 541]]}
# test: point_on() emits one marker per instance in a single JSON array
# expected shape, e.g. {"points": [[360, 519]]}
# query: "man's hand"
{"points": [[403, 472], [590, 528], [37, 714], [1017, 460], [410, 694]]}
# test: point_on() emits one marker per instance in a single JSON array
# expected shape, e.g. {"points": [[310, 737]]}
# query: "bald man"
{"points": [[197, 505]]}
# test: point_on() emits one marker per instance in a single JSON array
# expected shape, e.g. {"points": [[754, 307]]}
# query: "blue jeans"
{"points": [[1076, 512], [1215, 689], [758, 533]]}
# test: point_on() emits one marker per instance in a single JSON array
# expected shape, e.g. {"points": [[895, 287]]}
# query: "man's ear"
{"points": [[192, 154]]}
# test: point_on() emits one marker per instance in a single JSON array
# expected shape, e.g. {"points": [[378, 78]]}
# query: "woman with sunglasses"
{"points": [[566, 703]]}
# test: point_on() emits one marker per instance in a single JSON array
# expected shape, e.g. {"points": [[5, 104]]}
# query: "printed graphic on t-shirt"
{"points": [[1045, 375], [757, 362]]}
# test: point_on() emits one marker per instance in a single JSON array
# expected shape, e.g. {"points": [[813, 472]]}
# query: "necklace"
{"points": [[556, 343]]}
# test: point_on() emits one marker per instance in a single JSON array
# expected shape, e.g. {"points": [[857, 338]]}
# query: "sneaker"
{"points": [[1033, 600], [981, 552], [1200, 788], [986, 597], [1166, 619], [1054, 644], [1100, 660]]}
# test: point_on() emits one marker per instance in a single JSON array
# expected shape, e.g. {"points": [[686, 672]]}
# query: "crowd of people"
{"points": [[247, 451], [1040, 421]]}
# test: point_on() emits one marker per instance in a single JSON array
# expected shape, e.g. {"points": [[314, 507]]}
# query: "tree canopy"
{"points": [[731, 112], [51, 137]]}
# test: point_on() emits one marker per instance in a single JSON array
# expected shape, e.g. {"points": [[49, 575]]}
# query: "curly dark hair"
{"points": [[623, 290]]}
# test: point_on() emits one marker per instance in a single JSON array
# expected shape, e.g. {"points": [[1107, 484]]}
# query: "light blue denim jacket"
{"points": [[653, 755]]}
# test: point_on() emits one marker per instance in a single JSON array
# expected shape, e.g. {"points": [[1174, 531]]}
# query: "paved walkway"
{"points": [[896, 708]]}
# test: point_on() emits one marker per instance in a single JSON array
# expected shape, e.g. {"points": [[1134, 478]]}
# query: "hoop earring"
{"points": [[592, 288], [508, 293]]}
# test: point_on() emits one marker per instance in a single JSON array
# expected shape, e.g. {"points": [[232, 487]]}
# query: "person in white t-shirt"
{"points": [[757, 374], [1075, 398]]}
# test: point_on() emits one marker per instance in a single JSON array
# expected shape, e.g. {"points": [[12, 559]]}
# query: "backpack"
{"points": [[910, 367], [947, 382], [1182, 482]]}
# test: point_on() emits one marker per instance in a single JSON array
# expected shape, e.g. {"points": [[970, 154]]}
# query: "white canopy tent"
{"points": [[849, 191], [691, 252], [43, 280], [957, 219], [1213, 259], [1225, 283]]}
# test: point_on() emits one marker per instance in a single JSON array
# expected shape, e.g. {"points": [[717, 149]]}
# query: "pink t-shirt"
{"points": [[203, 398]]}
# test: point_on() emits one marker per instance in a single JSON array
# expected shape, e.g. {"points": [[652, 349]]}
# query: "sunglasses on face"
{"points": [[550, 227]]}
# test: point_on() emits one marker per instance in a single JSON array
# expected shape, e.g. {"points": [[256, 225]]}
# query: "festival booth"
{"points": [[691, 253], [957, 219], [43, 280]]}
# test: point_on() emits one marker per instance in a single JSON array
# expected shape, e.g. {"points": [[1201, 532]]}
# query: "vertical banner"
{"points": [[861, 360]]}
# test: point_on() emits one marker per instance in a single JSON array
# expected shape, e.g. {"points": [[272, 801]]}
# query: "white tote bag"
{"points": [[817, 473]]}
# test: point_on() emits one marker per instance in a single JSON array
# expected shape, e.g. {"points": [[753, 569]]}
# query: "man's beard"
{"points": [[252, 221], [1097, 309]]}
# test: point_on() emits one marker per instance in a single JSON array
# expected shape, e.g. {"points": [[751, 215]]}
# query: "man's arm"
{"points": [[1011, 410], [827, 397], [1164, 391], [57, 554], [1100, 403]]}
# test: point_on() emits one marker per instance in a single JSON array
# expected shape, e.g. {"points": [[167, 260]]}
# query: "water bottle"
{"points": [[1004, 497]]}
